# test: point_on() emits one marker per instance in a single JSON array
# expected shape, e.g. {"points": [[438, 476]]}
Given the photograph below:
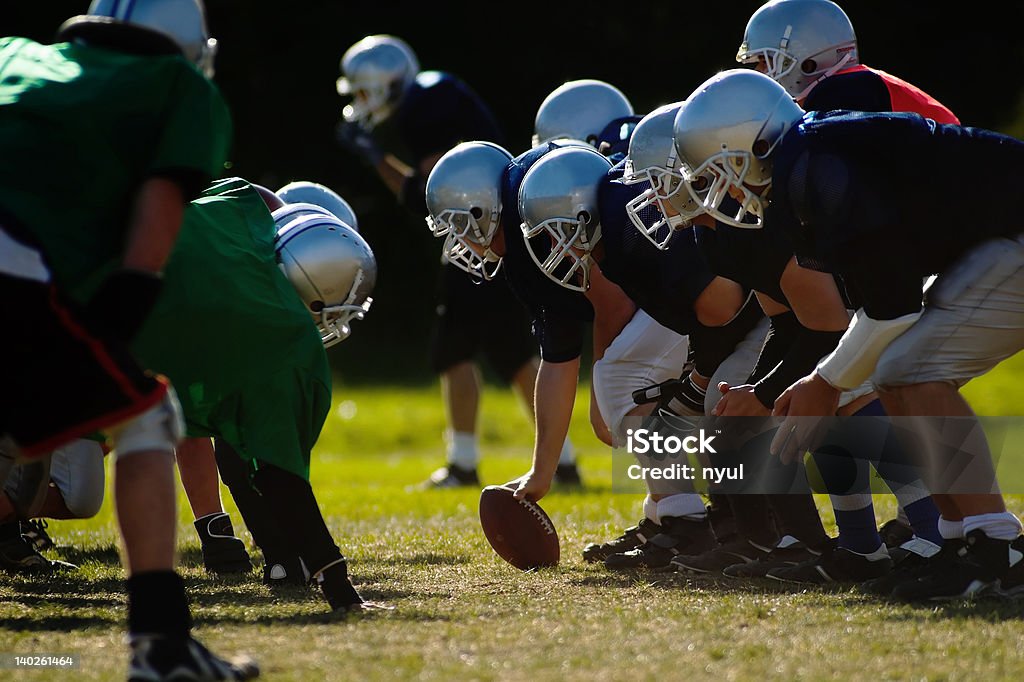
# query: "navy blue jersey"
{"points": [[613, 141], [664, 284], [754, 258], [560, 316], [886, 199], [437, 112]]}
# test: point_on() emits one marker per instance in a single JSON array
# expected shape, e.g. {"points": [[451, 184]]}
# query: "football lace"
{"points": [[536, 511]]}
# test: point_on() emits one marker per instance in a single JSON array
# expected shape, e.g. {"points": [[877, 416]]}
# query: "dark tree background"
{"points": [[278, 62]]}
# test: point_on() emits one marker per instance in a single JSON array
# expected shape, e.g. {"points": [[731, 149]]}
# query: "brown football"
{"points": [[518, 530]]}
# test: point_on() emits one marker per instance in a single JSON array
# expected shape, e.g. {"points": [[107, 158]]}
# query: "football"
{"points": [[519, 530]]}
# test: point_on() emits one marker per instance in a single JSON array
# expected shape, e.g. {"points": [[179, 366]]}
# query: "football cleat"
{"points": [[631, 538], [968, 570], [222, 551], [452, 476], [678, 535], [895, 532], [909, 562], [788, 551], [716, 559], [568, 475], [156, 658], [1011, 583], [838, 565], [34, 530], [279, 572]]}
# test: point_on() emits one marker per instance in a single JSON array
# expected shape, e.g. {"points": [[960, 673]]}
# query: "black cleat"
{"points": [[631, 538], [451, 476], [568, 475], [787, 552], [222, 551], [1011, 583], [156, 658], [908, 563], [280, 572], [837, 565], [678, 535], [716, 559], [967, 571], [895, 532], [35, 531]]}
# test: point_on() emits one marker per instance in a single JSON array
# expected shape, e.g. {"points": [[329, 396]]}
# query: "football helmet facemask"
{"points": [[558, 204]]}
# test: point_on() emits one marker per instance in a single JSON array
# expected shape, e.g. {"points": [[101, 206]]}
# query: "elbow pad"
{"points": [[854, 359], [807, 349]]}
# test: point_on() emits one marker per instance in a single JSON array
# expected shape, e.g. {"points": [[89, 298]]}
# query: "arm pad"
{"points": [[854, 359], [712, 345], [806, 351]]}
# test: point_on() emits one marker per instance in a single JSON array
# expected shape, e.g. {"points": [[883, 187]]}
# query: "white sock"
{"points": [[951, 530], [462, 450], [998, 526], [854, 502], [651, 509], [568, 454], [687, 505]]}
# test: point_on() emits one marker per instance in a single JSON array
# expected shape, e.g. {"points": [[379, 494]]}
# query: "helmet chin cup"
{"points": [[466, 245]]}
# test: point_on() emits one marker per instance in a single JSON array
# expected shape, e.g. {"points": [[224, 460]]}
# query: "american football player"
{"points": [[147, 62], [400, 120], [842, 183]]}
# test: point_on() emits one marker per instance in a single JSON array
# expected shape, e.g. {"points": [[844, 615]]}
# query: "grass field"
{"points": [[461, 613]]}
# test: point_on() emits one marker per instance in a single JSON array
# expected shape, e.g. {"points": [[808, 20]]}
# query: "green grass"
{"points": [[461, 613]]}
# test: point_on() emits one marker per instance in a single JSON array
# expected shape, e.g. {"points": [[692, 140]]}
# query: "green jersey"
{"points": [[233, 336], [81, 127]]}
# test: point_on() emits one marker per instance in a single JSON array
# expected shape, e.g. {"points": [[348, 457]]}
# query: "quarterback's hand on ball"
{"points": [[806, 405], [356, 139], [531, 487], [739, 401]]}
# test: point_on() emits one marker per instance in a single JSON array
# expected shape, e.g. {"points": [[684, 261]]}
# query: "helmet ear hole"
{"points": [[809, 66], [699, 183], [761, 148], [584, 217], [316, 306], [476, 212]]}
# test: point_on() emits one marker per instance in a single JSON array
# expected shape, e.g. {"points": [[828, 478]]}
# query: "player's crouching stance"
{"points": [[832, 190], [289, 291]]}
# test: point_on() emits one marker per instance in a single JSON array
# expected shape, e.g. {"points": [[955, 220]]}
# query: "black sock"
{"points": [[10, 531], [797, 515], [753, 518], [157, 605]]}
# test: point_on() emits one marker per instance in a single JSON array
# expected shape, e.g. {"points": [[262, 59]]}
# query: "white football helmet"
{"points": [[579, 110], [332, 268], [375, 72], [306, 192], [183, 21], [463, 197], [667, 204], [725, 134], [558, 205], [800, 41]]}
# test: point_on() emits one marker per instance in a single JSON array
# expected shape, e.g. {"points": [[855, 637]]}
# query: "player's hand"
{"points": [[806, 405], [531, 486], [359, 141], [739, 401]]}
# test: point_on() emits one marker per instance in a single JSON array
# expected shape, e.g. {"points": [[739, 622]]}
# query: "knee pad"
{"points": [[160, 428]]}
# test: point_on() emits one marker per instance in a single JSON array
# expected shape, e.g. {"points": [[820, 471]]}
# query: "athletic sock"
{"points": [[998, 526], [689, 506], [797, 515], [650, 509], [923, 517], [462, 449], [950, 530], [753, 519], [157, 605], [858, 529]]}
